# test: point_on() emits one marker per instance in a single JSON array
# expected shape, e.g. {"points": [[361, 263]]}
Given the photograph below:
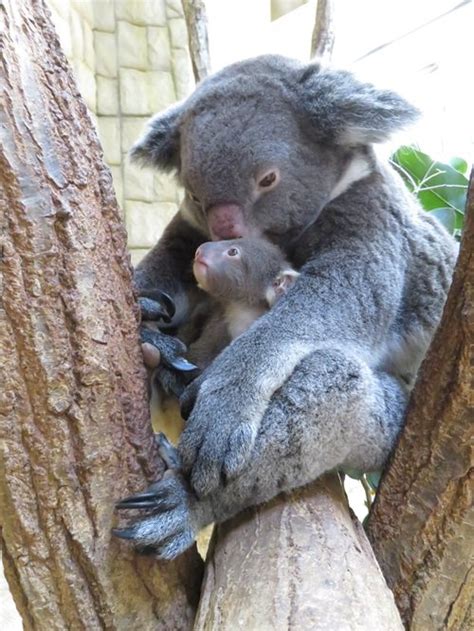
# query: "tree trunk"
{"points": [[196, 23], [299, 562], [74, 429], [322, 40], [422, 522]]}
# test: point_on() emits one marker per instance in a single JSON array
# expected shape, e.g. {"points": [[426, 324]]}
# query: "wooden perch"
{"points": [[299, 562]]}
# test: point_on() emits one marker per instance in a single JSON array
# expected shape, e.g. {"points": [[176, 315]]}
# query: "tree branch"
{"points": [[196, 22], [299, 562], [421, 523], [322, 41], [74, 419]]}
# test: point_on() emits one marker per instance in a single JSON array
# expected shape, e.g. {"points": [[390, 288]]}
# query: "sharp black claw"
{"points": [[180, 363], [147, 499], [139, 504], [163, 306], [154, 310], [168, 452], [123, 533], [168, 304]]}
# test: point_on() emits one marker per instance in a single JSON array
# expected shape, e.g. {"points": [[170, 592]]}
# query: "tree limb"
{"points": [[74, 421], [422, 521], [196, 22], [322, 40], [298, 562]]}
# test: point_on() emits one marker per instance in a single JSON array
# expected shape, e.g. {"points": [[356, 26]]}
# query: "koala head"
{"points": [[263, 145], [251, 270]]}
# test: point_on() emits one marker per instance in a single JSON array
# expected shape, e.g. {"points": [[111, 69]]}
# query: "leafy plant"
{"points": [[440, 187]]}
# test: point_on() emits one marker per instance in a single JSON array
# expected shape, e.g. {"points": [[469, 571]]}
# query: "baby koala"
{"points": [[244, 278]]}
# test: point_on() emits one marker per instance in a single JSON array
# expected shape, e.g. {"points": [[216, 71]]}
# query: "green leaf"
{"points": [[447, 216], [436, 184], [459, 164], [373, 478], [353, 473]]}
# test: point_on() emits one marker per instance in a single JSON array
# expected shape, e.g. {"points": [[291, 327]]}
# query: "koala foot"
{"points": [[170, 527]]}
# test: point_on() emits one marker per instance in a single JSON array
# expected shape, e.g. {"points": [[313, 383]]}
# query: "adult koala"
{"points": [[283, 149]]}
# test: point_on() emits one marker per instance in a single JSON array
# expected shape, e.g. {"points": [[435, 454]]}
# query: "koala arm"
{"points": [[333, 306], [333, 411]]}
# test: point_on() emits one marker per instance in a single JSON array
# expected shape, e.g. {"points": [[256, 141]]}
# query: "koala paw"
{"points": [[171, 349], [172, 382], [168, 529], [156, 305], [216, 445]]}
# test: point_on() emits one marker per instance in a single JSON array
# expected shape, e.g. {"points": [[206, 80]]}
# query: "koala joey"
{"points": [[276, 148], [243, 279]]}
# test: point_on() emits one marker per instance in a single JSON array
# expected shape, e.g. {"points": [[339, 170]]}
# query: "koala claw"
{"points": [[156, 305], [168, 452], [169, 529], [180, 363], [187, 398]]}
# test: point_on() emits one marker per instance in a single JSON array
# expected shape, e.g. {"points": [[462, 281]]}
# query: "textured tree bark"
{"points": [[196, 23], [299, 562], [322, 40], [74, 429], [422, 523]]}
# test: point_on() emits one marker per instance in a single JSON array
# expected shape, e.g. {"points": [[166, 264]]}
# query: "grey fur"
{"points": [[311, 385]]}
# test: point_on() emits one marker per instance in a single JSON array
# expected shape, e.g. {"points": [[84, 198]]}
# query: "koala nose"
{"points": [[203, 253], [226, 221]]}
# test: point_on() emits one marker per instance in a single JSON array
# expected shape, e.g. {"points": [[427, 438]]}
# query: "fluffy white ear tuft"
{"points": [[282, 283]]}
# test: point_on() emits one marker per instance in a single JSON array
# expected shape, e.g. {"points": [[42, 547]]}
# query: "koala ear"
{"points": [[282, 283], [344, 110], [159, 145]]}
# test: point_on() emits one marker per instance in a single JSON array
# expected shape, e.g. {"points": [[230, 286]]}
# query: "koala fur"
{"points": [[310, 386]]}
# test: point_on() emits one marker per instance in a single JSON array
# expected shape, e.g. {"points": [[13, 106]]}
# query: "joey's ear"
{"points": [[341, 109], [282, 283], [159, 145]]}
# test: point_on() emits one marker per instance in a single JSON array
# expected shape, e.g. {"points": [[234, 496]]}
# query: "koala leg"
{"points": [[333, 411]]}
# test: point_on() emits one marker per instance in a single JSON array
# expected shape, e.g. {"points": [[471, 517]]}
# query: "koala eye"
{"points": [[233, 252], [269, 180], [193, 197]]}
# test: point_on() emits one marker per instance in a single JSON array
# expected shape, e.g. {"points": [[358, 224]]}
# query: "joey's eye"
{"points": [[269, 180], [193, 197], [233, 252]]}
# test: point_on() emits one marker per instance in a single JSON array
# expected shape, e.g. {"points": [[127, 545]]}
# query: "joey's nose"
{"points": [[202, 253]]}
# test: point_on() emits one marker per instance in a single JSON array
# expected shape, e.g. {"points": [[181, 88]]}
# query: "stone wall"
{"points": [[131, 60]]}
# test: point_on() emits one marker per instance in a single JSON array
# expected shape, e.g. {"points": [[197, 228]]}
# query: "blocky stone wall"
{"points": [[131, 60]]}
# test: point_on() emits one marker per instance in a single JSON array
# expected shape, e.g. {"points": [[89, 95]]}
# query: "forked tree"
{"points": [[74, 429]]}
